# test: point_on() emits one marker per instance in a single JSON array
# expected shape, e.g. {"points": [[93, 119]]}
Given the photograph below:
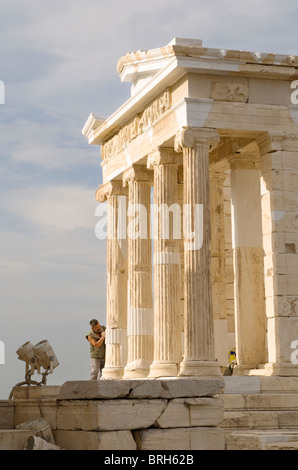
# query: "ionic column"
{"points": [[167, 330], [199, 356], [140, 303], [217, 248], [181, 250], [116, 309]]}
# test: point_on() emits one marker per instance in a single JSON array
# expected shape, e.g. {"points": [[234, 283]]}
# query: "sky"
{"points": [[58, 64]]}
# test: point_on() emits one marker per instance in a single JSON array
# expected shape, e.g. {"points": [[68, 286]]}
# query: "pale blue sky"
{"points": [[58, 62]]}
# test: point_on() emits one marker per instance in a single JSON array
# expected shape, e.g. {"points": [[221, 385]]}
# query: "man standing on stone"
{"points": [[96, 338]]}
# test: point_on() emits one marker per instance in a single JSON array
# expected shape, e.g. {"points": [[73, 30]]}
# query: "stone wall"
{"points": [[137, 414], [6, 414], [140, 414]]}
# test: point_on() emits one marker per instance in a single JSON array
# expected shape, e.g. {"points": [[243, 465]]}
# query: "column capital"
{"points": [[219, 176], [244, 161], [189, 137], [137, 173], [162, 156], [111, 188], [282, 141]]}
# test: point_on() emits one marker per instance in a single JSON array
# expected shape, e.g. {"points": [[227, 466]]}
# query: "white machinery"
{"points": [[36, 357]]}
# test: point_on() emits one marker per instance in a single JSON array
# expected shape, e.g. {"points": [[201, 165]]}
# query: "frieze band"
{"points": [[132, 130]]}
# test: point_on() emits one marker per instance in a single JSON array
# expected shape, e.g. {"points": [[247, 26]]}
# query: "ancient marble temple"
{"points": [[200, 180]]}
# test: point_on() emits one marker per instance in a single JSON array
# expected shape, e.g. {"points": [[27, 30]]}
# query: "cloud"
{"points": [[60, 65], [58, 62], [43, 139], [63, 208]]}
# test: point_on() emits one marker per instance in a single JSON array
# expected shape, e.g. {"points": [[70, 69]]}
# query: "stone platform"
{"points": [[232, 413], [136, 414], [142, 414], [260, 413]]}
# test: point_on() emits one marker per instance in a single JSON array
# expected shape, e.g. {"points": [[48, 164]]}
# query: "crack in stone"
{"points": [[155, 424]]}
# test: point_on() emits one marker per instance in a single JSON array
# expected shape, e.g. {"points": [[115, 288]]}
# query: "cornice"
{"points": [[166, 65], [92, 124], [195, 49]]}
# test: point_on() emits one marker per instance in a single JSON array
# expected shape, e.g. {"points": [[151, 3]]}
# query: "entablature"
{"points": [[187, 85]]}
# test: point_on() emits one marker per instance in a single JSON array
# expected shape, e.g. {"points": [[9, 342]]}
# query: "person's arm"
{"points": [[99, 342]]}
